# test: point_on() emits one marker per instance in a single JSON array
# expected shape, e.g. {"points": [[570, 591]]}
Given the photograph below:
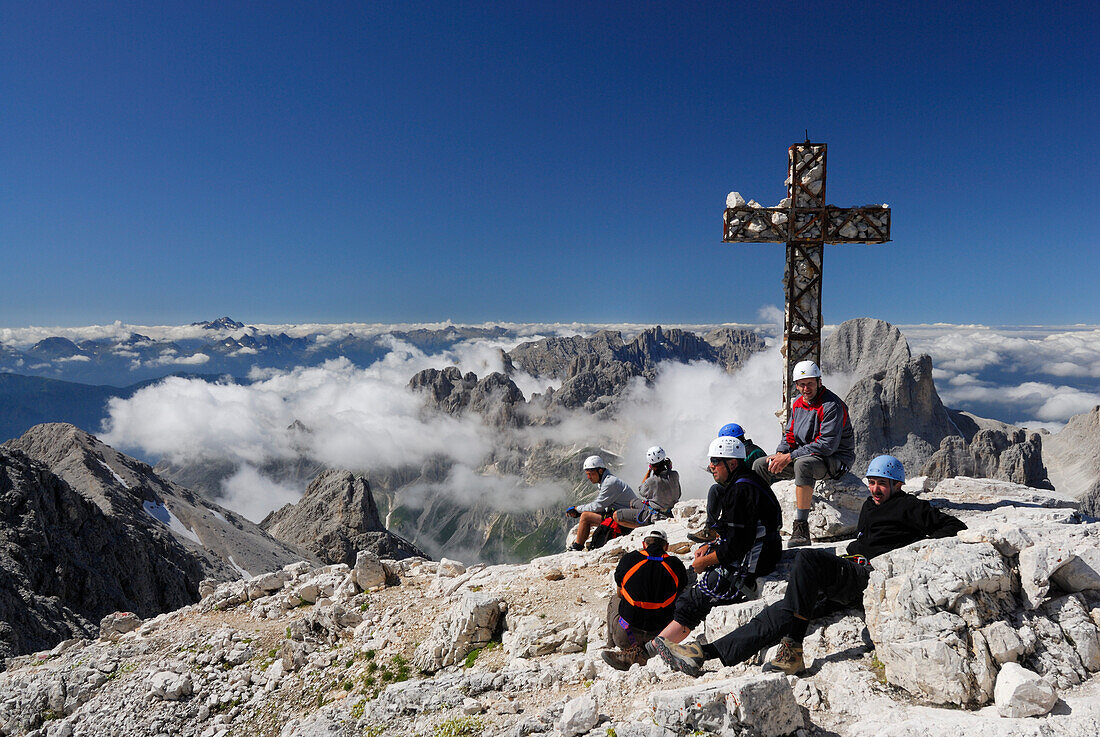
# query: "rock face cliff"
{"points": [[226, 544], [1074, 459], [893, 403], [65, 562], [336, 518]]}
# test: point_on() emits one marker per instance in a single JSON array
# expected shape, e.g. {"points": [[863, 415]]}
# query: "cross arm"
{"points": [[755, 224], [867, 224]]}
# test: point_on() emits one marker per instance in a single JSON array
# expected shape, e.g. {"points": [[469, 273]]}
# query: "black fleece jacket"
{"points": [[898, 521], [747, 510]]}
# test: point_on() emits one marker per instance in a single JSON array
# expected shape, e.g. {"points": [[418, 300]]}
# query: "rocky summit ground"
{"points": [[959, 636]]}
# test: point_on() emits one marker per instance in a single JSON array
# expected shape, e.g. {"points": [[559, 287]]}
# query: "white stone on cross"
{"points": [[805, 223]]}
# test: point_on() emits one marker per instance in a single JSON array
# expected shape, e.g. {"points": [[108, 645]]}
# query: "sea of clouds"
{"points": [[366, 417]]}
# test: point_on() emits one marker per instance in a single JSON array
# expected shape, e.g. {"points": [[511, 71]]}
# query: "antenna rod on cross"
{"points": [[805, 224]]}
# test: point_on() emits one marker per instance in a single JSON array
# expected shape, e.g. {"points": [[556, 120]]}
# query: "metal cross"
{"points": [[805, 223]]}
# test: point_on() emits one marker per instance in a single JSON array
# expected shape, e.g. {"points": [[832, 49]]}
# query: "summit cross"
{"points": [[805, 223]]}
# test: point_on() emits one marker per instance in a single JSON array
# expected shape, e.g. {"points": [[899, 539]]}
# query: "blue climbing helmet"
{"points": [[886, 467], [731, 430]]}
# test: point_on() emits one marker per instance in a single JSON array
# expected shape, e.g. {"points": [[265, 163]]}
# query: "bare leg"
{"points": [[675, 632], [588, 520], [803, 497]]}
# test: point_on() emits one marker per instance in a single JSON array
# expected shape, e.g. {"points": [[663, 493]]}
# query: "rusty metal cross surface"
{"points": [[805, 223]]}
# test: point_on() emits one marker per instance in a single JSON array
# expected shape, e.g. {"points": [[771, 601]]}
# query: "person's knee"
{"points": [[808, 469], [760, 467]]}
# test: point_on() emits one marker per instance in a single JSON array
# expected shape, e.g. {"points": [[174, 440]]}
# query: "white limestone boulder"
{"points": [[368, 571], [759, 705], [1022, 693], [468, 625], [578, 716], [925, 606]]}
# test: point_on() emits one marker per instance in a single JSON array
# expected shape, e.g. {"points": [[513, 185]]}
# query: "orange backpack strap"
{"points": [[649, 604]]}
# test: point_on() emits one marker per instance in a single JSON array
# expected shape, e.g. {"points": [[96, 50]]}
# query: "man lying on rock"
{"points": [[613, 494], [889, 519], [747, 545]]}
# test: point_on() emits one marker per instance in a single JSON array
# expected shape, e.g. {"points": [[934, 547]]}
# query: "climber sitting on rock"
{"points": [[613, 494], [708, 532], [648, 582], [819, 443], [659, 492], [747, 547], [889, 519]]}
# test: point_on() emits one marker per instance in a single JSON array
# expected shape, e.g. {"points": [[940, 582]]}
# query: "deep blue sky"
{"points": [[550, 161]]}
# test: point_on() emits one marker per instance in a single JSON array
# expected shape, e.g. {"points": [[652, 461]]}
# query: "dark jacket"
{"points": [[652, 584], [752, 452], [749, 518], [898, 521], [821, 428]]}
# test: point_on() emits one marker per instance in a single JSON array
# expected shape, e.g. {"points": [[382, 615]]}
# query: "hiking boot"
{"points": [[788, 659], [800, 534], [623, 659], [703, 535], [575, 546], [684, 658]]}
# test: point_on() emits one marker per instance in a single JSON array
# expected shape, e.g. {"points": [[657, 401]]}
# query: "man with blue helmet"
{"points": [[708, 532], [889, 519]]}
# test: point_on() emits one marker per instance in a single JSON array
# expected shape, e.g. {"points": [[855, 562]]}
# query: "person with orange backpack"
{"points": [[648, 583]]}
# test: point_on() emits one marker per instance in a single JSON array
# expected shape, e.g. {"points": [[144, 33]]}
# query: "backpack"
{"points": [[606, 530]]}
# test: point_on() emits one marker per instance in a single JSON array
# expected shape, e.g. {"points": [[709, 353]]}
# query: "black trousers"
{"points": [[819, 579]]}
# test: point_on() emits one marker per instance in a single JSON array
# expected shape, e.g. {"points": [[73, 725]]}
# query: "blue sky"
{"points": [[413, 161]]}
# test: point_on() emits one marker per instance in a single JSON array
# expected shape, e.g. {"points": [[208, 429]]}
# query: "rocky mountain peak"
{"points": [[862, 347], [335, 518]]}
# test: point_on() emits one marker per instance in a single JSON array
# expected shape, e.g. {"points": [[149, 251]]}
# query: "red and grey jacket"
{"points": [[821, 428]]}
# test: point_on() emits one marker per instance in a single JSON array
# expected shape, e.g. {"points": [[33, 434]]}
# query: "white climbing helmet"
{"points": [[592, 462], [726, 447], [806, 370], [655, 455]]}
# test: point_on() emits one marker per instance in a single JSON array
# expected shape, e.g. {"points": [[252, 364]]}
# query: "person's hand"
{"points": [[701, 551], [779, 461], [572, 512]]}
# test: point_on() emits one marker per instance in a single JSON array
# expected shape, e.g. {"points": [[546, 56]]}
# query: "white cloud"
{"points": [[254, 495]]}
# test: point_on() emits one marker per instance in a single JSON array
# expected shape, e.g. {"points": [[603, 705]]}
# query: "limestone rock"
{"points": [[118, 623], [863, 347], [368, 570], [220, 540], [578, 716], [925, 604], [762, 705], [170, 686], [995, 454], [469, 625], [898, 411], [1072, 456], [1021, 693], [335, 519]]}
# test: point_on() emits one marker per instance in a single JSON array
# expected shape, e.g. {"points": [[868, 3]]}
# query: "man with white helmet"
{"points": [[747, 546], [659, 492], [753, 452], [819, 580], [613, 494], [819, 443]]}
